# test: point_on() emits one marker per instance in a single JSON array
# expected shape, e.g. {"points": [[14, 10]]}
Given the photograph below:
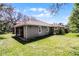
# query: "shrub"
{"points": [[61, 31]]}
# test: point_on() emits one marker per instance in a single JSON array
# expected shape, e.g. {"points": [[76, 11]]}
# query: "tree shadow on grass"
{"points": [[3, 32], [77, 35], [1, 38], [30, 40]]}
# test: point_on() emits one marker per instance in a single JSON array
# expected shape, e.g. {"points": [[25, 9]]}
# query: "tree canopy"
{"points": [[8, 17], [74, 19]]}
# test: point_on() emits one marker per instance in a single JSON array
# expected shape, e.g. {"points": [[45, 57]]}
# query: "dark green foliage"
{"points": [[61, 31], [74, 19], [66, 30]]}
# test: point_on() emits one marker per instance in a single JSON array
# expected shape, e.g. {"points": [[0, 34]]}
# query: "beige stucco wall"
{"points": [[32, 31], [25, 32]]}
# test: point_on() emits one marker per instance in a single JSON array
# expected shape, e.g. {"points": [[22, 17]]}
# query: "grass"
{"points": [[3, 36], [56, 45], [72, 35]]}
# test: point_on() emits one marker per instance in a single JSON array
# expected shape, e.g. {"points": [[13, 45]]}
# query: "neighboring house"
{"points": [[31, 28], [57, 27]]}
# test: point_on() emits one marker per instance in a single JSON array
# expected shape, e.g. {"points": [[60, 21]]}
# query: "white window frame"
{"points": [[40, 27]]}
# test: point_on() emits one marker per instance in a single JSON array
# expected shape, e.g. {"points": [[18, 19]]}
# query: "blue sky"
{"points": [[39, 10]]}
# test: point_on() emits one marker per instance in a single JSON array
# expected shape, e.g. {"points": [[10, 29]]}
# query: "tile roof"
{"points": [[57, 25], [31, 21]]}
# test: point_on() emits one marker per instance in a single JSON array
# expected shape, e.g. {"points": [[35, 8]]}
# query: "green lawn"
{"points": [[56, 45]]}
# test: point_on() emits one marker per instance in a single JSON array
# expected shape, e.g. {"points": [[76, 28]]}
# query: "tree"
{"points": [[61, 31], [55, 7], [7, 18], [74, 19], [6, 12]]}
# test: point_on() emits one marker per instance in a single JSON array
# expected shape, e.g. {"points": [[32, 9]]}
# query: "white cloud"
{"points": [[17, 10], [33, 9], [20, 10], [39, 10], [43, 10], [24, 10], [42, 15], [47, 14]]}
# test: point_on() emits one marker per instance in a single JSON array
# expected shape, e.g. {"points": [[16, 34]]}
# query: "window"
{"points": [[39, 29], [47, 30], [55, 27]]}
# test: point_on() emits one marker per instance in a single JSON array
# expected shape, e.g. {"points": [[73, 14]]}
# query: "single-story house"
{"points": [[31, 28]]}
